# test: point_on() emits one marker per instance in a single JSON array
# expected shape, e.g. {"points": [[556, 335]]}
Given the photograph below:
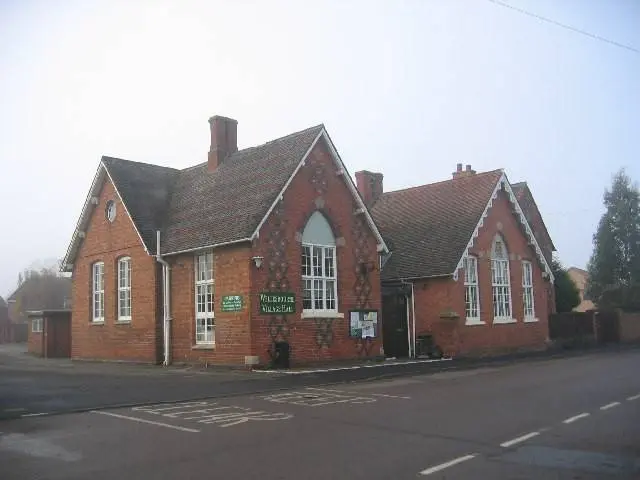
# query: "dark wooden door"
{"points": [[395, 326], [59, 337]]}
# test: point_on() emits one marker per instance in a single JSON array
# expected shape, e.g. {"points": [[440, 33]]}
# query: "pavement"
{"points": [[575, 417]]}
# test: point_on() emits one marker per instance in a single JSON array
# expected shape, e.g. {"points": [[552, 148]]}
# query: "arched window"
{"points": [[471, 290], [527, 291], [319, 288], [124, 289], [500, 282], [204, 291], [97, 271]]}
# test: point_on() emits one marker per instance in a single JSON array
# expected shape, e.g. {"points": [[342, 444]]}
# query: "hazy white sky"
{"points": [[408, 88]]}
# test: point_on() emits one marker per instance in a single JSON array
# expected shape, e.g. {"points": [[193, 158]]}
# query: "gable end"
{"points": [[99, 178], [362, 209], [503, 182]]}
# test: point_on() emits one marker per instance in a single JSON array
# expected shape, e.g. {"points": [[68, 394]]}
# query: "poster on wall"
{"points": [[363, 323]]}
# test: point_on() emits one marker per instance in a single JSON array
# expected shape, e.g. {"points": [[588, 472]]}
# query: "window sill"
{"points": [[531, 320], [204, 346], [474, 321], [96, 322], [499, 321], [123, 322], [322, 314]]}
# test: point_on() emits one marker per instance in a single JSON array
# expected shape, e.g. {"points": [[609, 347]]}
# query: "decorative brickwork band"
{"points": [[277, 267]]}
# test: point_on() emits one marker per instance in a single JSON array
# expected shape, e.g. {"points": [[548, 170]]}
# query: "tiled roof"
{"points": [[428, 227], [145, 190], [534, 218], [228, 204], [196, 208]]}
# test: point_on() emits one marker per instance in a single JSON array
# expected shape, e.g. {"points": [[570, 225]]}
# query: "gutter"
{"points": [[166, 302]]}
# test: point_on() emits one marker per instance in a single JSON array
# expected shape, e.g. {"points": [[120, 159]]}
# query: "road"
{"points": [[572, 418]]}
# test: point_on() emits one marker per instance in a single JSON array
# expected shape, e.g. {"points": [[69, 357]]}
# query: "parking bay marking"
{"points": [[384, 395], [205, 412], [318, 397], [142, 420]]}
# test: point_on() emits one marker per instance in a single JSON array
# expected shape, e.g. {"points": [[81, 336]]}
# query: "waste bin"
{"points": [[281, 354]]}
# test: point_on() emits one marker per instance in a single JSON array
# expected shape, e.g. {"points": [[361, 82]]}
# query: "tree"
{"points": [[567, 293], [614, 267]]}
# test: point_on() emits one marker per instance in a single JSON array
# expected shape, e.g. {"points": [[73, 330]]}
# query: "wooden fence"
{"points": [[594, 327]]}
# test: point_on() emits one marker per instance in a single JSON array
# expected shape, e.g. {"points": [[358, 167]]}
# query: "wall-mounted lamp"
{"points": [[257, 261]]}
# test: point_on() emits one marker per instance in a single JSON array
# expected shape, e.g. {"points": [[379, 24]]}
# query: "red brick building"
{"points": [[466, 273], [229, 261]]}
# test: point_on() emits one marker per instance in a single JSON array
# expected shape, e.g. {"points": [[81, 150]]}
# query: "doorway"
{"points": [[395, 325]]}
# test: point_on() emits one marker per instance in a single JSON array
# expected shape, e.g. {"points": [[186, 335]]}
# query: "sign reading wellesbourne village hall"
{"points": [[277, 302]]}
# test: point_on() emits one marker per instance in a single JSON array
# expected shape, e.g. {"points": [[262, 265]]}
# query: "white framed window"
{"points": [[500, 282], [36, 325], [471, 291], [98, 292], [204, 296], [319, 270], [124, 289], [527, 291]]}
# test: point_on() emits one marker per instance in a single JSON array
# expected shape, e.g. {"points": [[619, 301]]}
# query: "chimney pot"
{"points": [[468, 168], [224, 140], [459, 167]]}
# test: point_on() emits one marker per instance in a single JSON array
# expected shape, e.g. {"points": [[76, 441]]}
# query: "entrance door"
{"points": [[58, 337], [395, 325]]}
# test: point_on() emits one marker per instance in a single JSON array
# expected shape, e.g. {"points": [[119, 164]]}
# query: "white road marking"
{"points": [[34, 414], [212, 413], [159, 424], [401, 397], [635, 397], [575, 418], [319, 399], [609, 405], [522, 438], [357, 392], [448, 464], [355, 367]]}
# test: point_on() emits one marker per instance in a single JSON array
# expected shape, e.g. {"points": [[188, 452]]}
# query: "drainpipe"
{"points": [[166, 302], [413, 315], [410, 329]]}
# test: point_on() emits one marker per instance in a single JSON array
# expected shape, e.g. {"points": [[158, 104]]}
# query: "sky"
{"points": [[408, 88]]}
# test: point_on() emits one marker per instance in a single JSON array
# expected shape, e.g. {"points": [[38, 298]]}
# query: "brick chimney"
{"points": [[467, 172], [370, 186], [224, 140]]}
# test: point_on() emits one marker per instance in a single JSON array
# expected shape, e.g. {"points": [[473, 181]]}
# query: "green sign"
{"points": [[277, 302], [231, 303]]}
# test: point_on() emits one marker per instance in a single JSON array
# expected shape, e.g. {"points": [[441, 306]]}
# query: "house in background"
{"points": [[253, 256], [36, 292], [6, 333], [580, 277], [466, 271]]}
